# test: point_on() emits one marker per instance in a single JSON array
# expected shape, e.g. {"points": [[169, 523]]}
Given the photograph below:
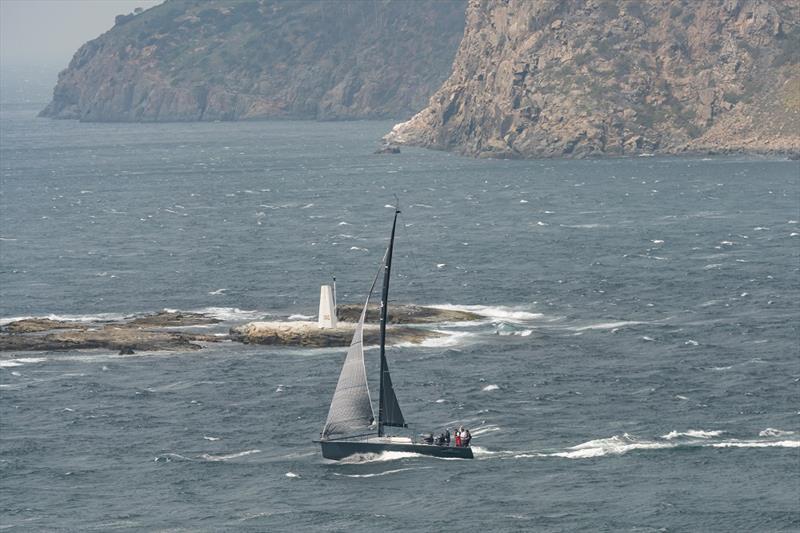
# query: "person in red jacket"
{"points": [[458, 436]]}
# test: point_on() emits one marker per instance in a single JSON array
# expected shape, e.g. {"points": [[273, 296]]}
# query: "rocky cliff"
{"points": [[257, 59], [553, 78]]}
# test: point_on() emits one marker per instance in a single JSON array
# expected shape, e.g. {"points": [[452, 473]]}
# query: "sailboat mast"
{"points": [[387, 269]]}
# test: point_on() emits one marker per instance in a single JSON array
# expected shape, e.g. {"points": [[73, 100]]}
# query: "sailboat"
{"points": [[351, 427]]}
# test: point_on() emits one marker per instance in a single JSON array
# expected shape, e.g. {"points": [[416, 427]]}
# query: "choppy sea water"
{"points": [[636, 369]]}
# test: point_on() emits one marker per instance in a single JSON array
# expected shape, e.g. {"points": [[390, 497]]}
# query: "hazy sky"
{"points": [[46, 33]]}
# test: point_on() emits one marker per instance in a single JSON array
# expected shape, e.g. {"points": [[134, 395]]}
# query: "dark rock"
{"points": [[388, 149]]}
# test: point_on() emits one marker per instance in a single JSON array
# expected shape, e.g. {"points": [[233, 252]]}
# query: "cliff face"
{"points": [[579, 78], [258, 59]]}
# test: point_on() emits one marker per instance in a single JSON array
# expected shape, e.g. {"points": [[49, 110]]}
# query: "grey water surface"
{"points": [[636, 368]]}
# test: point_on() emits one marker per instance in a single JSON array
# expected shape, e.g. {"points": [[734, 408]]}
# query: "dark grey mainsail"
{"points": [[389, 413], [351, 407]]}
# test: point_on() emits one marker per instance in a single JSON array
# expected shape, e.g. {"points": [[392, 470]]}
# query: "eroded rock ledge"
{"points": [[153, 333]]}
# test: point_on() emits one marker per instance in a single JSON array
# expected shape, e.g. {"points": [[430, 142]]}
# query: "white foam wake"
{"points": [[382, 457]]}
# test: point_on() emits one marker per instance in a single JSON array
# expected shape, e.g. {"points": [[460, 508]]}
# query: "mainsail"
{"points": [[351, 407], [389, 413]]}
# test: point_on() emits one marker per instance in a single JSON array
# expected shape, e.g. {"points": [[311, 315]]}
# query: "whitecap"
{"points": [[441, 265], [648, 339], [218, 291], [226, 457], [212, 439], [7, 363], [692, 433], [230, 313], [441, 400], [359, 249], [771, 432], [607, 325], [490, 388], [523, 201], [300, 317], [487, 429], [292, 475], [691, 342], [387, 472], [449, 338], [508, 313], [757, 444]]}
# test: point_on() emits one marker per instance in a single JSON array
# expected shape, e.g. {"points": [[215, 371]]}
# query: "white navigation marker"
{"points": [[327, 307]]}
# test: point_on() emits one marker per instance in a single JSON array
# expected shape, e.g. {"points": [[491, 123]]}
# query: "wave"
{"points": [[771, 432], [101, 317], [508, 313], [692, 433], [209, 457], [9, 363], [387, 472], [606, 325], [231, 313], [301, 317], [450, 338], [492, 387], [481, 431]]}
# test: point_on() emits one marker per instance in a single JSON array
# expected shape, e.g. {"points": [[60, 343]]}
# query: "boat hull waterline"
{"points": [[337, 450]]}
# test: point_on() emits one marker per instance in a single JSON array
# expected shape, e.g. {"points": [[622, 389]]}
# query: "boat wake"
{"points": [[618, 445]]}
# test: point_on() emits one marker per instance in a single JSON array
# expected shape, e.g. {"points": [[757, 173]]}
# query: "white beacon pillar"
{"points": [[327, 307]]}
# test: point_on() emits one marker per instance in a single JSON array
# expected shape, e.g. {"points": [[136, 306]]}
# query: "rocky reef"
{"points": [[186, 60], [570, 78], [144, 333], [310, 335], [152, 332]]}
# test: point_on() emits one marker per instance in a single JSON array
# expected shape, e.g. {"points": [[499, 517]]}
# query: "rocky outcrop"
{"points": [[406, 314], [310, 335], [135, 333], [236, 60], [574, 78]]}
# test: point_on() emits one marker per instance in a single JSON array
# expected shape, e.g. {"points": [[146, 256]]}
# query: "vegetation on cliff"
{"points": [[256, 59]]}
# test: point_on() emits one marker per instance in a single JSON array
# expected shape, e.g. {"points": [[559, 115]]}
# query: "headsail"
{"points": [[351, 407]]}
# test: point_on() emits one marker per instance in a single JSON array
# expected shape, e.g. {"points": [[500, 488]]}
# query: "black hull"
{"points": [[337, 450]]}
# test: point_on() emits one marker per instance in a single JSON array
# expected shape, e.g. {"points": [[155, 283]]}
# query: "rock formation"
{"points": [[257, 59], [574, 78]]}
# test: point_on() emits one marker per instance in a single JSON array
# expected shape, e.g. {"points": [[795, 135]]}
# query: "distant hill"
{"points": [[190, 60], [575, 78]]}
